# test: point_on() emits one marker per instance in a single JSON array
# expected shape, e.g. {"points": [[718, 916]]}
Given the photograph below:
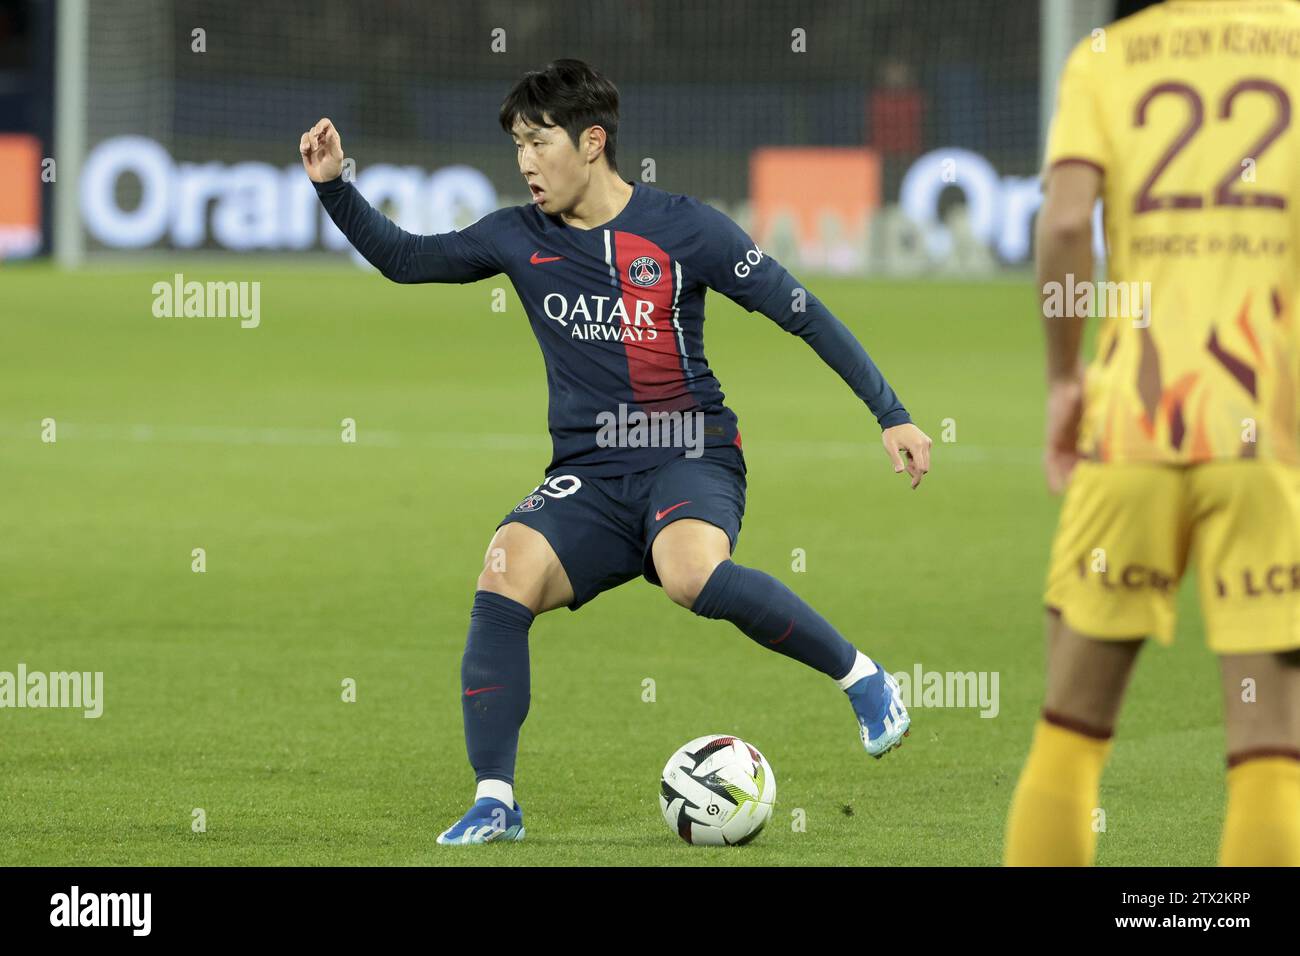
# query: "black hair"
{"points": [[572, 94]]}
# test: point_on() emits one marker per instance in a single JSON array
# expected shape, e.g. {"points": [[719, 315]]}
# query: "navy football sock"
{"points": [[772, 615], [495, 684]]}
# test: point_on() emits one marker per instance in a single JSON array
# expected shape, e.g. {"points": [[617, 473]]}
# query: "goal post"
{"points": [[1062, 24], [71, 60]]}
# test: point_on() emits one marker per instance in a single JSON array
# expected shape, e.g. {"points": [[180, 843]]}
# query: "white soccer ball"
{"points": [[717, 790]]}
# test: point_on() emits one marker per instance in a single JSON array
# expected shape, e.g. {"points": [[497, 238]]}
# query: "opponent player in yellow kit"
{"points": [[1180, 441]]}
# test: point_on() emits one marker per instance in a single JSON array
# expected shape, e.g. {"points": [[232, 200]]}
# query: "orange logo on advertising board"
{"points": [[824, 195], [20, 199]]}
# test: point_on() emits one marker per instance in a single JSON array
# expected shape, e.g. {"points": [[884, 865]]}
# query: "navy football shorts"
{"points": [[602, 528]]}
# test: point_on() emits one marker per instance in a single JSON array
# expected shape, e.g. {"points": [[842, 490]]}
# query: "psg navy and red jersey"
{"points": [[618, 310]]}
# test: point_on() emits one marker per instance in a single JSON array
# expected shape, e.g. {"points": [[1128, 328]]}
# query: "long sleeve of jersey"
{"points": [[463, 256], [735, 267], [834, 344]]}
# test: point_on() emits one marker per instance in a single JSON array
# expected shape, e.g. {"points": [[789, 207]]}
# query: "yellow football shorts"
{"points": [[1126, 534]]}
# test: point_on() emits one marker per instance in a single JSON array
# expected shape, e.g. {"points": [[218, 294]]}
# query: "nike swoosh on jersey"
{"points": [[659, 515], [778, 640], [537, 258]]}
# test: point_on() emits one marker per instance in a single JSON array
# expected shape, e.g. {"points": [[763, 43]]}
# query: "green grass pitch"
{"points": [[328, 561]]}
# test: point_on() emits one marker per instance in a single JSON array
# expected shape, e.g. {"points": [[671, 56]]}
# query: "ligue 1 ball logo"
{"points": [[531, 503], [644, 271]]}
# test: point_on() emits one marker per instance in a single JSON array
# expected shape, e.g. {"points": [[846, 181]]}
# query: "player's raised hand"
{"points": [[1064, 413], [322, 152], [907, 439]]}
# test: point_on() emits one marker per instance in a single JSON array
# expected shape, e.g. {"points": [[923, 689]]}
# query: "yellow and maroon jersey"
{"points": [[1189, 111]]}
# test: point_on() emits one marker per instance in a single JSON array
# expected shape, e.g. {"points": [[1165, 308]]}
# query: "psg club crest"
{"points": [[531, 503], [644, 271]]}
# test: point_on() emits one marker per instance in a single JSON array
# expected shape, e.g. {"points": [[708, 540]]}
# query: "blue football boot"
{"points": [[882, 719], [488, 820]]}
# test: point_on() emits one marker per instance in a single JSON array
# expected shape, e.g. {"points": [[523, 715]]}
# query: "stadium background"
{"points": [[329, 561], [712, 93]]}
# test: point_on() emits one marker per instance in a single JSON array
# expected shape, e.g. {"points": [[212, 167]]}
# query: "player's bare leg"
{"points": [[521, 564], [685, 555], [521, 578], [1087, 678], [693, 561], [1261, 712], [1054, 817]]}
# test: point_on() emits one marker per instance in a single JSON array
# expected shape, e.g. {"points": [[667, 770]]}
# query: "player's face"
{"points": [[553, 167]]}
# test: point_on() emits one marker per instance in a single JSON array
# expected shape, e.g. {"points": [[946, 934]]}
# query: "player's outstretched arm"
{"points": [[733, 264], [801, 313], [398, 255]]}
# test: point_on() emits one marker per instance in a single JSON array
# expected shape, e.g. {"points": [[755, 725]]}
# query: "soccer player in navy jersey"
{"points": [[647, 475]]}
